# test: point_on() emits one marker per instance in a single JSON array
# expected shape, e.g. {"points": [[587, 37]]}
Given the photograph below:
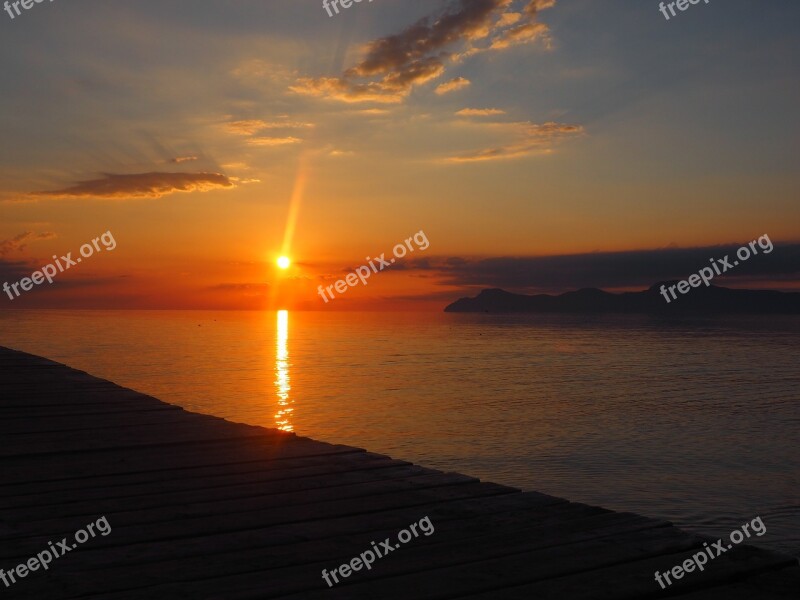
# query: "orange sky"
{"points": [[210, 143]]}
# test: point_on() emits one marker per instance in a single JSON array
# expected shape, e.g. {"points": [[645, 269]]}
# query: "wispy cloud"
{"points": [[524, 27], [245, 127], [480, 112], [19, 242], [273, 141], [182, 159], [253, 126], [140, 185], [459, 83], [531, 139]]}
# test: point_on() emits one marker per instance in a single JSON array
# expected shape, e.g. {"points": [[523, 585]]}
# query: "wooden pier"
{"points": [[202, 508]]}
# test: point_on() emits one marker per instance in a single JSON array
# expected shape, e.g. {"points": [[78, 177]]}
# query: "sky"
{"points": [[540, 146]]}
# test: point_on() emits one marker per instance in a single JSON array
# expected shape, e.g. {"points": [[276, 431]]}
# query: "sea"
{"points": [[693, 420]]}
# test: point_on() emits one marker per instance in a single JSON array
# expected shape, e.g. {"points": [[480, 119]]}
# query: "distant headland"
{"points": [[706, 300]]}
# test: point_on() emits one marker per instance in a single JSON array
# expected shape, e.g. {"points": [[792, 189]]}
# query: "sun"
{"points": [[284, 262]]}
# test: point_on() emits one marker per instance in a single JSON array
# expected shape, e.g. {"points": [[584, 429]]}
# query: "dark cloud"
{"points": [[52, 295], [11, 271], [394, 64], [141, 185], [467, 19], [611, 269]]}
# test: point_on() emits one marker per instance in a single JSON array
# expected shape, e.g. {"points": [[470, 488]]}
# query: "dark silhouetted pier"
{"points": [[203, 508]]}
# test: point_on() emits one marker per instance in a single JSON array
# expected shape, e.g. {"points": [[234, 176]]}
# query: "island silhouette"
{"points": [[706, 300]]}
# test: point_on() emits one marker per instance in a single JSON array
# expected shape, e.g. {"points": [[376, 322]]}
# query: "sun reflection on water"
{"points": [[282, 417]]}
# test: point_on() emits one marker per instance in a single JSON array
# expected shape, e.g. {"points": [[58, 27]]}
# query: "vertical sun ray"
{"points": [[291, 219], [294, 206]]}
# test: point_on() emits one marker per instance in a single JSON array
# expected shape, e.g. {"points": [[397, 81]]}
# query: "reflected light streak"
{"points": [[283, 416]]}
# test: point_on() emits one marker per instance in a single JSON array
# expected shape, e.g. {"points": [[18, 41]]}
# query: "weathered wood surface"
{"points": [[202, 508]]}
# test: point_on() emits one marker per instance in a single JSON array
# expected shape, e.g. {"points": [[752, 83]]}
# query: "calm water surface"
{"points": [[692, 420]]}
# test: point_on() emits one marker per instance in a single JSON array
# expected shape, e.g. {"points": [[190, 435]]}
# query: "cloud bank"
{"points": [[634, 269], [141, 185]]}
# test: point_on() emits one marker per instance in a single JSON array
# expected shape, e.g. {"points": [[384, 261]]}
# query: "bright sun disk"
{"points": [[284, 262]]}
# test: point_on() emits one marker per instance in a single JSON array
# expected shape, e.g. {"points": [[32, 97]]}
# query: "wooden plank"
{"points": [[26, 539], [75, 398], [447, 582], [164, 437], [313, 555], [501, 510], [775, 585], [87, 423], [208, 550], [234, 513], [245, 496], [55, 467], [182, 480], [67, 410], [120, 432], [634, 580]]}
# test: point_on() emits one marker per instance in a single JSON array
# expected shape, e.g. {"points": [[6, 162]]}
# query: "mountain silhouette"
{"points": [[706, 300]]}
